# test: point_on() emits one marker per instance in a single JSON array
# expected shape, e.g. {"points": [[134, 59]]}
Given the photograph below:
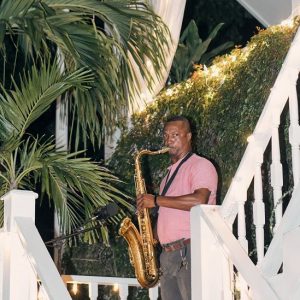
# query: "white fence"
{"points": [[119, 284], [23, 256], [25, 263]]}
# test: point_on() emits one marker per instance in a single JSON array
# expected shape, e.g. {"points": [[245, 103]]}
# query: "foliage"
{"points": [[97, 43], [26, 160], [224, 102], [192, 50], [132, 34]]}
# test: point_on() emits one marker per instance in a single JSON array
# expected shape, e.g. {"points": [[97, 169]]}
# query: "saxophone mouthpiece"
{"points": [[165, 149]]}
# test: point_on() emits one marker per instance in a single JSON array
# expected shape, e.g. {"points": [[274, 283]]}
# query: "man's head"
{"points": [[178, 137]]}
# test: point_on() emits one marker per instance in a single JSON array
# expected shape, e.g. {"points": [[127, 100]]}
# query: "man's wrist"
{"points": [[155, 200]]}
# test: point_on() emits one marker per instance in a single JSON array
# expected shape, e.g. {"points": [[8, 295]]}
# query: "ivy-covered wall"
{"points": [[224, 102]]}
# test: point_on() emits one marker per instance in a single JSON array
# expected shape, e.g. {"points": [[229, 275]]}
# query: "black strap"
{"points": [[169, 181]]}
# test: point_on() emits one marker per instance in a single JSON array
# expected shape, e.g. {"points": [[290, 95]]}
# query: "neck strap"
{"points": [[169, 181]]}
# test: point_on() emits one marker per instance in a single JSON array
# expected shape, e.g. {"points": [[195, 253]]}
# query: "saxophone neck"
{"points": [[142, 152], [140, 183]]}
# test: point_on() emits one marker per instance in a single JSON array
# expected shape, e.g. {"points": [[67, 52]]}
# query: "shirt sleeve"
{"points": [[204, 175]]}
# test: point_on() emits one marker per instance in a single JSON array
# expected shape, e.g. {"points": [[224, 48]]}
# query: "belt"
{"points": [[176, 245]]}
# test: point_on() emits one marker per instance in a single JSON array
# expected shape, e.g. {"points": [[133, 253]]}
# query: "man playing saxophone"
{"points": [[191, 180]]}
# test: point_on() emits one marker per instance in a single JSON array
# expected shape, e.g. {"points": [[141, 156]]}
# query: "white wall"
{"points": [[269, 12]]}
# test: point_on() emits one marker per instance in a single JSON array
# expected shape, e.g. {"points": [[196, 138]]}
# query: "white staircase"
{"points": [[276, 273]]}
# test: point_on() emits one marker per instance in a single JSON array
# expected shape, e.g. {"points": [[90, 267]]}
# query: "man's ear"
{"points": [[189, 136]]}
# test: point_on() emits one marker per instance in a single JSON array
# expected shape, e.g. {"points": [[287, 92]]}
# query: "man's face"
{"points": [[177, 138]]}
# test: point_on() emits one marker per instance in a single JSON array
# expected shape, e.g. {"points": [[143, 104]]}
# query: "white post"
{"points": [[258, 205], [276, 170], [19, 278], [241, 196], [93, 291], [153, 293], [207, 261], [291, 271], [123, 291], [294, 131], [241, 199]]}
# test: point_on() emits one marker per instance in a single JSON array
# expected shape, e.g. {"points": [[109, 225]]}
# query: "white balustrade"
{"points": [[209, 263], [208, 224], [122, 284], [23, 255]]}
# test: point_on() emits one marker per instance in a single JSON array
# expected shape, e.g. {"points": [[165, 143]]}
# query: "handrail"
{"points": [[284, 84], [23, 255], [216, 224]]}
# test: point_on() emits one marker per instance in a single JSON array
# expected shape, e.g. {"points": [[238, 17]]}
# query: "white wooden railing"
{"points": [[23, 256], [27, 271], [212, 235], [120, 284]]}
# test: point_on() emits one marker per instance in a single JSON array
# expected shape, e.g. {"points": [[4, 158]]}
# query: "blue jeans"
{"points": [[175, 281]]}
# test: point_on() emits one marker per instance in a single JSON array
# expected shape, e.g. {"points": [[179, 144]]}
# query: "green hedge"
{"points": [[224, 103]]}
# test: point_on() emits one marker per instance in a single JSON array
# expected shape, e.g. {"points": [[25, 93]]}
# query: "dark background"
{"points": [[239, 25]]}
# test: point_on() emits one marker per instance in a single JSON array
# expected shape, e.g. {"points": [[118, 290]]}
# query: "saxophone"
{"points": [[141, 244]]}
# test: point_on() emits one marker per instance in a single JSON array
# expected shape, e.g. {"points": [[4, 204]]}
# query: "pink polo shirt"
{"points": [[197, 172]]}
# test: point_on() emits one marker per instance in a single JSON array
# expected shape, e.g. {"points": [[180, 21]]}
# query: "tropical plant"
{"points": [[192, 50], [104, 37], [76, 185], [107, 37]]}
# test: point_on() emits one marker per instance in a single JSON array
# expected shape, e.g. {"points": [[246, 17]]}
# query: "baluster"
{"points": [[153, 293], [93, 291], [276, 170], [123, 291], [241, 283], [294, 131], [258, 206], [242, 220]]}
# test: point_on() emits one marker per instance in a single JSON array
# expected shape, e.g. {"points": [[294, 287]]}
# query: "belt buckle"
{"points": [[173, 246]]}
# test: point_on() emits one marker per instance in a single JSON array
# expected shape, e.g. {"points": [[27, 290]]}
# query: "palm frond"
{"points": [[77, 186], [104, 36], [86, 185], [38, 89]]}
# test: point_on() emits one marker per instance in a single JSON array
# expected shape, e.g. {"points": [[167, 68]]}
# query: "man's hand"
{"points": [[145, 201]]}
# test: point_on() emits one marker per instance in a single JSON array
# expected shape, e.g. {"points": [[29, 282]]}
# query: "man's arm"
{"points": [[184, 202]]}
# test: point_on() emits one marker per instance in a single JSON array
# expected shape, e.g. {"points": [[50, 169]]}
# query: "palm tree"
{"points": [[103, 35], [25, 159]]}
